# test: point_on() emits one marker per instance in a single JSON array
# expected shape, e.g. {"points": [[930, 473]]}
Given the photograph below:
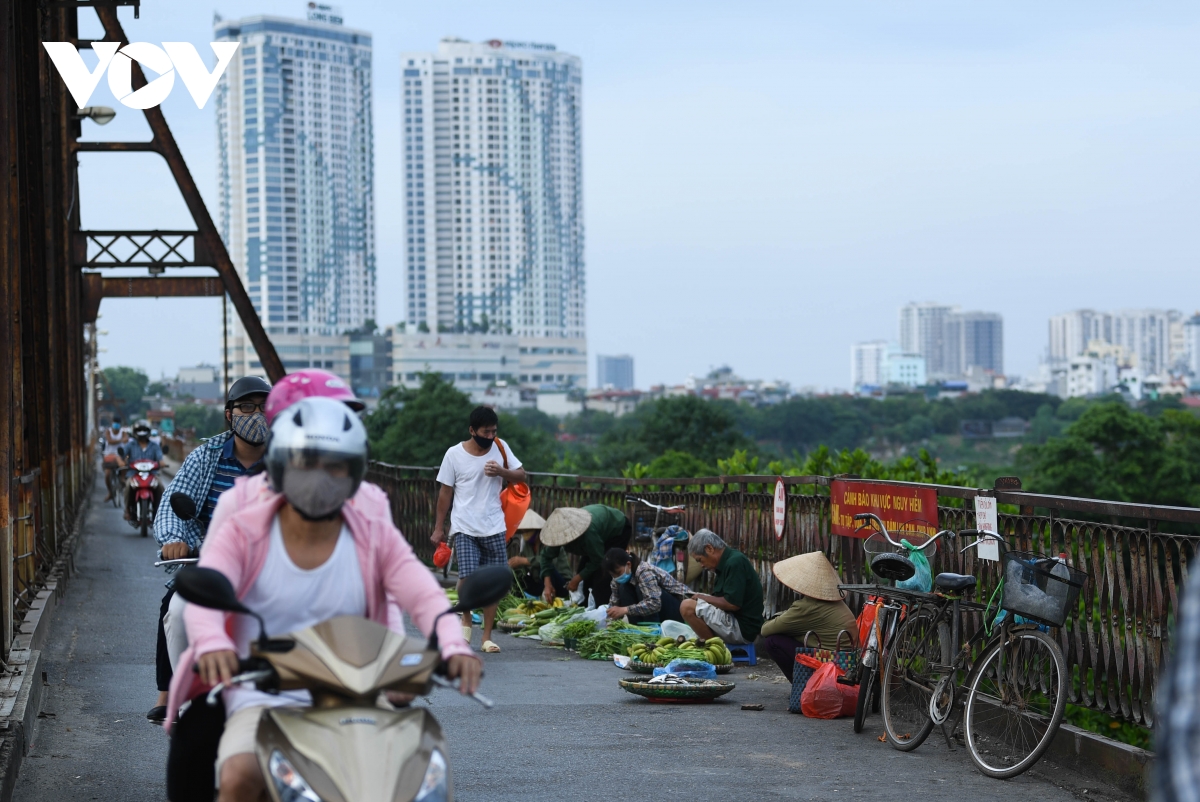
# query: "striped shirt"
{"points": [[652, 582], [228, 470]]}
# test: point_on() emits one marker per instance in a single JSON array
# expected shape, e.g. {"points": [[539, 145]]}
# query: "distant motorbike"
{"points": [[143, 481]]}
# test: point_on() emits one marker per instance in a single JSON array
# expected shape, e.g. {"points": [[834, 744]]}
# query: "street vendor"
{"points": [[819, 610], [525, 564], [644, 592], [733, 612], [587, 532]]}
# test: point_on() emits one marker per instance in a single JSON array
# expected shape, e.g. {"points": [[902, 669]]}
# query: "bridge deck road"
{"points": [[561, 728], [94, 741]]}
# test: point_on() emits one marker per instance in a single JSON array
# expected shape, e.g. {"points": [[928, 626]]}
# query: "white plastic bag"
{"points": [[673, 629], [591, 605], [576, 596], [598, 615]]}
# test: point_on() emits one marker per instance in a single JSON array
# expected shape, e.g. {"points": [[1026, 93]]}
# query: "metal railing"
{"points": [[1115, 643]]}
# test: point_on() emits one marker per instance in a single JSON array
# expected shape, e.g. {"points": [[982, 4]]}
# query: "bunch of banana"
{"points": [[665, 649]]}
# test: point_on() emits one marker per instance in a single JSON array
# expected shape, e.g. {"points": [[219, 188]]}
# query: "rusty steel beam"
{"points": [[116, 147], [96, 288], [165, 144], [168, 243]]}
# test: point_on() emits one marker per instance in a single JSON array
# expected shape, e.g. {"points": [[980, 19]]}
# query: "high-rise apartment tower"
{"points": [[296, 185], [494, 196]]}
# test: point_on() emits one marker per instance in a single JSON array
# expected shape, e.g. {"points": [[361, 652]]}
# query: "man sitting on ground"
{"points": [[733, 612]]}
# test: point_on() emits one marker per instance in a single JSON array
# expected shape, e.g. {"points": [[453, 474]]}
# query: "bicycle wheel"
{"points": [[1016, 697], [866, 688], [909, 677]]}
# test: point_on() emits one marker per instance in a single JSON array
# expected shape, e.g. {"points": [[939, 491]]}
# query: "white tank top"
{"points": [[291, 598]]}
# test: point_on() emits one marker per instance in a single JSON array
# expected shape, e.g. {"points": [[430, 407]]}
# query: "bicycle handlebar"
{"points": [[870, 516], [658, 507], [979, 535]]}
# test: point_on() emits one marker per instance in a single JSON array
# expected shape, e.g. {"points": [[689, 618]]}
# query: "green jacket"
{"points": [[824, 619], [606, 531]]}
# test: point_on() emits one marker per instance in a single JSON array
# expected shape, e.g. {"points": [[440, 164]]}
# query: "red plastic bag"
{"points": [[441, 555], [824, 697]]}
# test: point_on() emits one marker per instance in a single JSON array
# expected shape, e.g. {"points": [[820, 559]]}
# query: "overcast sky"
{"points": [[766, 183]]}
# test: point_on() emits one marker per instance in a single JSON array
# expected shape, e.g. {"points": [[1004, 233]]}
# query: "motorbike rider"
{"points": [[307, 383], [300, 557], [142, 449], [114, 438], [207, 472]]}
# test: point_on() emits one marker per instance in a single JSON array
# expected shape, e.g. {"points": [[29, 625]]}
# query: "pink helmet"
{"points": [[309, 383]]}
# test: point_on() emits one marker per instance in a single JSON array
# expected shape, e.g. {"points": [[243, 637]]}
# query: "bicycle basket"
{"points": [[1040, 587]]}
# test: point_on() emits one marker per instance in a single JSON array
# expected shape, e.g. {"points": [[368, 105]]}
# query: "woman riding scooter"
{"points": [[298, 558]]}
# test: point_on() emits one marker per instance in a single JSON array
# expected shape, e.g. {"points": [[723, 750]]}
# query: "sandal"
{"points": [[490, 647]]}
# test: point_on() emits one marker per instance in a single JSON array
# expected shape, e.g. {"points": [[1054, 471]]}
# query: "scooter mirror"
{"points": [[183, 506], [485, 586], [208, 588]]}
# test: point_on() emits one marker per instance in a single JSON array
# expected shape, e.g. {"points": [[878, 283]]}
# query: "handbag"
{"points": [[514, 499], [845, 659]]}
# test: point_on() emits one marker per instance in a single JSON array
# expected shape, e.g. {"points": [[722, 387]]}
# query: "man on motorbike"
{"points": [[208, 472], [114, 438], [141, 450], [300, 557]]}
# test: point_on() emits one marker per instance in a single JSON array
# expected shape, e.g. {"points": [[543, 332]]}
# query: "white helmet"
{"points": [[317, 455]]}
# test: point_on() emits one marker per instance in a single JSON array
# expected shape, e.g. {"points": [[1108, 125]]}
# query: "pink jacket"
{"points": [[238, 549]]}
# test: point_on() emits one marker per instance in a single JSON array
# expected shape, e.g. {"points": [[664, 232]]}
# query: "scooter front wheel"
{"points": [[144, 517]]}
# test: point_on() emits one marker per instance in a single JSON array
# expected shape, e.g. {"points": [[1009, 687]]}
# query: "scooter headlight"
{"points": [[288, 782], [435, 786]]}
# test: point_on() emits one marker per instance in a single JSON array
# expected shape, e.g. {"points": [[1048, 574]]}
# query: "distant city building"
{"points": [[974, 340], [549, 364], [867, 364], [1154, 337], [1191, 340], [295, 185], [614, 371], [905, 369], [202, 383], [923, 332], [614, 402], [472, 362], [492, 149], [370, 363]]}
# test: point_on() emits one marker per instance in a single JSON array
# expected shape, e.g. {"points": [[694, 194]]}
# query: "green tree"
{"points": [[415, 426], [207, 421], [672, 464], [129, 385], [1113, 452], [707, 430]]}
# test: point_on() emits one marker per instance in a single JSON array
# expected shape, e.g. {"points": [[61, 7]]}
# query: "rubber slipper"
{"points": [[490, 647], [466, 634]]}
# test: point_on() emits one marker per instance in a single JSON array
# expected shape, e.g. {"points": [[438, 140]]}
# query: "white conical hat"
{"points": [[809, 575], [531, 521], [564, 525]]}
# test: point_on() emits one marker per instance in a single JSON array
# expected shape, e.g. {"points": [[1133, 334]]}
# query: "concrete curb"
{"points": [[21, 685], [1120, 765]]}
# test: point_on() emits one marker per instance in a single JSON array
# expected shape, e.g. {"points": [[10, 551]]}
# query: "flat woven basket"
{"points": [[638, 667], [676, 692]]}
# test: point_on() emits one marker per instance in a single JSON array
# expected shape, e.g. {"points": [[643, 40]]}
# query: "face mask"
{"points": [[251, 428], [483, 442], [116, 427], [625, 577], [314, 493]]}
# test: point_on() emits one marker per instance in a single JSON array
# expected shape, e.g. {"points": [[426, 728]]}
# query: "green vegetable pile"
{"points": [[548, 616], [579, 629], [617, 639]]}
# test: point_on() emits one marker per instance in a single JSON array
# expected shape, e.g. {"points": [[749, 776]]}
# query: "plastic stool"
{"points": [[747, 655]]}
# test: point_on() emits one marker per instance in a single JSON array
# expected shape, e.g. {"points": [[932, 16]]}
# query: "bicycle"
{"points": [[1013, 675], [889, 615]]}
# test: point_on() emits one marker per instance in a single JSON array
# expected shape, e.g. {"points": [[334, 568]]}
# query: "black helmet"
{"points": [[247, 385]]}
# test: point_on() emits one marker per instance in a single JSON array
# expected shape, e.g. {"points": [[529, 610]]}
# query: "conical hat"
{"points": [[564, 525], [531, 521], [809, 575]]}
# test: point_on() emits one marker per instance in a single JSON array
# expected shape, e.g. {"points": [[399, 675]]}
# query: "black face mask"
{"points": [[483, 442]]}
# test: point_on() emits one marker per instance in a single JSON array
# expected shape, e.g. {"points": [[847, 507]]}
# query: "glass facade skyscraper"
{"points": [[296, 165], [493, 189]]}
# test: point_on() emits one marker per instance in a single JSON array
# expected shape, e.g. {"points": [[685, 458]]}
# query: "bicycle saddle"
{"points": [[961, 582], [893, 566]]}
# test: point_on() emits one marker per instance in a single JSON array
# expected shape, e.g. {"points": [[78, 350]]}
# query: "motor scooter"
{"points": [[346, 747], [143, 481]]}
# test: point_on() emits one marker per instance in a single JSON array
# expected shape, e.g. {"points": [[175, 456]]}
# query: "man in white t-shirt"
{"points": [[472, 475]]}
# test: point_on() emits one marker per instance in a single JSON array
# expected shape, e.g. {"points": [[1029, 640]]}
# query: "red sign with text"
{"points": [[912, 509]]}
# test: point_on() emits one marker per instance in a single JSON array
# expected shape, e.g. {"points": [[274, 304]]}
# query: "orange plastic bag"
{"points": [[823, 697], [866, 618], [441, 555], [514, 500]]}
